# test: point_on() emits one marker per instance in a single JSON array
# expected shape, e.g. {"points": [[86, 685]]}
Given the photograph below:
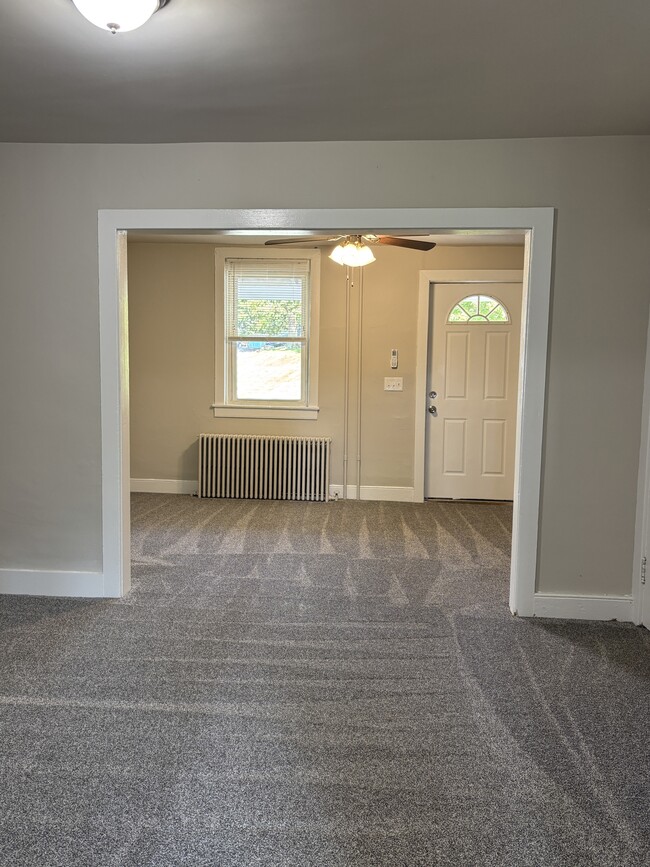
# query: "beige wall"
{"points": [[50, 447], [171, 339]]}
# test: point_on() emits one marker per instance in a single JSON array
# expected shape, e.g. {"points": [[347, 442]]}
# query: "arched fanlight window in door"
{"points": [[479, 308]]}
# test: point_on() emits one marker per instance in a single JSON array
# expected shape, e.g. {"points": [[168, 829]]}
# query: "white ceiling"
{"points": [[302, 70], [228, 239]]}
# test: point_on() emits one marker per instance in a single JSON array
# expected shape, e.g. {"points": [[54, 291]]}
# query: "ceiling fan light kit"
{"points": [[352, 253], [353, 250], [118, 16]]}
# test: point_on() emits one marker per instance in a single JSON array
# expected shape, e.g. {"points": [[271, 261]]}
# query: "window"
{"points": [[479, 308], [267, 333]]}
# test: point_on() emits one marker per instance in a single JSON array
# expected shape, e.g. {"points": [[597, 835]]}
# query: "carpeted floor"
{"points": [[319, 685]]}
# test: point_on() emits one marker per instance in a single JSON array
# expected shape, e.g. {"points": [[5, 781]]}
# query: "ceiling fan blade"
{"points": [[307, 239], [405, 242]]}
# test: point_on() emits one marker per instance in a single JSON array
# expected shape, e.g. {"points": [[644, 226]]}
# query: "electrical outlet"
{"points": [[393, 383]]}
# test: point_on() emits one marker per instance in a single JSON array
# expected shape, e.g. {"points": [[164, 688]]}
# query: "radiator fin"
{"points": [[264, 467]]}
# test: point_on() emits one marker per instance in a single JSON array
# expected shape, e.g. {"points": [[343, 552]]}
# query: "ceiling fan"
{"points": [[353, 250]]}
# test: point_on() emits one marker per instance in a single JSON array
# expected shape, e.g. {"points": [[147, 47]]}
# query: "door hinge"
{"points": [[644, 564]]}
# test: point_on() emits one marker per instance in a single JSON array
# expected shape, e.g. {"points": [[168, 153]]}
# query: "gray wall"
{"points": [[50, 498]]}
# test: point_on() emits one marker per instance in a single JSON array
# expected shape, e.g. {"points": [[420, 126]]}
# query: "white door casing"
{"points": [[641, 579], [473, 371], [536, 225]]}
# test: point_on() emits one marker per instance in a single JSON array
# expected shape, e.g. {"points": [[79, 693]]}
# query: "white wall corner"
{"points": [[583, 607]]}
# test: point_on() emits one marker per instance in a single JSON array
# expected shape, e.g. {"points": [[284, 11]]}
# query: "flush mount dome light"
{"points": [[118, 15]]}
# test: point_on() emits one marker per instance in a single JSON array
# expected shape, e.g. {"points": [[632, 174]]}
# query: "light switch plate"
{"points": [[393, 383]]}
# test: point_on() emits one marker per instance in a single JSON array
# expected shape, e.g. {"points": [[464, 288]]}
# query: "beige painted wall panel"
{"points": [[171, 338], [171, 356], [50, 448], [176, 282], [390, 313]]}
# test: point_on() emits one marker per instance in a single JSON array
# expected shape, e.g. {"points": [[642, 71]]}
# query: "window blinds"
{"points": [[266, 298]]}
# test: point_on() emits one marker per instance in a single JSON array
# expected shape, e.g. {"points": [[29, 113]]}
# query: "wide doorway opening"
{"points": [[116, 226]]}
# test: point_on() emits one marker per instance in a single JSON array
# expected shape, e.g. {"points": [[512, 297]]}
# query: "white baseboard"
{"points": [[164, 486], [32, 582], [374, 492], [583, 607], [184, 486]]}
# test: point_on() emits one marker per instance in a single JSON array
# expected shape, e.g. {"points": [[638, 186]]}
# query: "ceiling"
{"points": [[231, 239], [301, 70]]}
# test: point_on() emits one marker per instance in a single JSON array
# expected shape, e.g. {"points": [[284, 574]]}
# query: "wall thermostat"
{"points": [[393, 359]]}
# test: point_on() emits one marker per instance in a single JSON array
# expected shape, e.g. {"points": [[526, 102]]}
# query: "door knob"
{"points": [[433, 410]]}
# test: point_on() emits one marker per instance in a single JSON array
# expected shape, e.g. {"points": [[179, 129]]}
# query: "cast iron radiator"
{"points": [[264, 467]]}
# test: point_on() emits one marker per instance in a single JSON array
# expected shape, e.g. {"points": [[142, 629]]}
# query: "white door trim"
{"points": [[536, 281], [640, 592], [538, 225], [426, 282]]}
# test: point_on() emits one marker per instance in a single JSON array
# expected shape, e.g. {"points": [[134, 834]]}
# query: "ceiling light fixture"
{"points": [[353, 253], [118, 15]]}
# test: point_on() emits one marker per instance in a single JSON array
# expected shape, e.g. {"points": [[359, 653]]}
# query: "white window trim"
{"points": [[220, 408]]}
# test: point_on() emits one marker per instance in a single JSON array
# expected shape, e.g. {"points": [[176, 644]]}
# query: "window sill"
{"points": [[304, 413]]}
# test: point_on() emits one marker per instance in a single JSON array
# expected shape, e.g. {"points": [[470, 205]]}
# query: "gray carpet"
{"points": [[317, 685]]}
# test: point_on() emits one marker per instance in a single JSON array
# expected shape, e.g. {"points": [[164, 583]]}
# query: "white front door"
{"points": [[473, 372]]}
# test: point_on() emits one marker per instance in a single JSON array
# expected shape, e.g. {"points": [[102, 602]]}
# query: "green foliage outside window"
{"points": [[269, 318], [479, 308]]}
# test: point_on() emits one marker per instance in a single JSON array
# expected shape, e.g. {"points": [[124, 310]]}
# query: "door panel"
{"points": [[496, 365], [456, 365], [474, 368], [454, 446], [494, 447]]}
